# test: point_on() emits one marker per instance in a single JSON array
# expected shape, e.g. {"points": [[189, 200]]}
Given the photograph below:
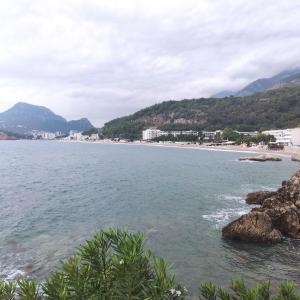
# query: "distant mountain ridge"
{"points": [[23, 118], [287, 78]]}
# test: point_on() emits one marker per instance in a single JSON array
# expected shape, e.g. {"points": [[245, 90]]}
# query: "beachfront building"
{"points": [[211, 135], [44, 135], [94, 137], [296, 137], [75, 136], [247, 133], [185, 132], [152, 133], [287, 137]]}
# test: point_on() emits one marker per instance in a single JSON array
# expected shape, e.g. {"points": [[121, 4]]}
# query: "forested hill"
{"points": [[278, 108]]}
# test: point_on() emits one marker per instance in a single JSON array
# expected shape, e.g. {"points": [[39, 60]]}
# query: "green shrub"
{"points": [[114, 265], [240, 291]]}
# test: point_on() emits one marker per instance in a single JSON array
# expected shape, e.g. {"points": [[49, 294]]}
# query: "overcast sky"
{"points": [[105, 59]]}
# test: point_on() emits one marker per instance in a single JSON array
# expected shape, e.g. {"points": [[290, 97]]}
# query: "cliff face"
{"points": [[277, 216]]}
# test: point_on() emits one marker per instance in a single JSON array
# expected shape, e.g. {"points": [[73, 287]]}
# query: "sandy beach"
{"points": [[288, 151]]}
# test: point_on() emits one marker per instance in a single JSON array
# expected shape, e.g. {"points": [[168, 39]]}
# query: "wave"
{"points": [[238, 199], [11, 274], [222, 216]]}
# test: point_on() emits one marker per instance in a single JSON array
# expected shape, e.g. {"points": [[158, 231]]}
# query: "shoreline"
{"points": [[230, 148]]}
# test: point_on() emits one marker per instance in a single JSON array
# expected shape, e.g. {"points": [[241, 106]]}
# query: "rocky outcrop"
{"points": [[262, 158], [255, 226], [258, 197], [295, 157], [277, 216]]}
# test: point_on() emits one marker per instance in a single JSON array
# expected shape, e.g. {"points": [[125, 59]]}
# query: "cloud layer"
{"points": [[105, 59]]}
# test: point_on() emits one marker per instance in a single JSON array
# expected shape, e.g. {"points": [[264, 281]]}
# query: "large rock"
{"points": [[258, 197], [262, 158], [277, 216], [255, 227]]}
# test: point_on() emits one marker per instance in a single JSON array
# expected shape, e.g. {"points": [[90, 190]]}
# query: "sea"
{"points": [[55, 195]]}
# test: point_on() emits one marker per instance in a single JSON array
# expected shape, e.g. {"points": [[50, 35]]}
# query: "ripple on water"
{"points": [[56, 195]]}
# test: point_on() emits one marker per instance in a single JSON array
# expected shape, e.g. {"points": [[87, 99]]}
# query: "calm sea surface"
{"points": [[55, 195]]}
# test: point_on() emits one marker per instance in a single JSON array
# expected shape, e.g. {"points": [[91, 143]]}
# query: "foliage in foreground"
{"points": [[240, 291], [116, 266]]}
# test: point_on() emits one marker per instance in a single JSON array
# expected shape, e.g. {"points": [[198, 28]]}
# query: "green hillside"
{"points": [[278, 108]]}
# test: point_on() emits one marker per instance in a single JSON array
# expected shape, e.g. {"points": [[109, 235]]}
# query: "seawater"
{"points": [[55, 195]]}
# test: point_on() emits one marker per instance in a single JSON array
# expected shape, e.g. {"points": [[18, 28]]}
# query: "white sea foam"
{"points": [[247, 161], [238, 199], [11, 274], [222, 216]]}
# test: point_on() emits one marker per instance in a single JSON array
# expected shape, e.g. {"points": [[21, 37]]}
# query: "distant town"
{"points": [[273, 138]]}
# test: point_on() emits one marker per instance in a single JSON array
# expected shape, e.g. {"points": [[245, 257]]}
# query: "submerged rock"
{"points": [[262, 158], [277, 216]]}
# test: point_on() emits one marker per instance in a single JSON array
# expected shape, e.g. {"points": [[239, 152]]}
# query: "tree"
{"points": [[230, 135]]}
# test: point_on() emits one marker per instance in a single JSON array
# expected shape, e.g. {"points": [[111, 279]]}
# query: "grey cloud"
{"points": [[104, 59]]}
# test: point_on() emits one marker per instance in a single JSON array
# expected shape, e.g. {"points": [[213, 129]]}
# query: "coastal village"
{"points": [[282, 137]]}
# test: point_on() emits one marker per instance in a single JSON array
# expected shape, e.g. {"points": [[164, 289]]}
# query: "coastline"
{"points": [[287, 152]]}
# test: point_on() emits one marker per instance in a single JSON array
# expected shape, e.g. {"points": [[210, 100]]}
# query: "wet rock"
{"points": [[258, 197], [262, 158], [277, 216], [254, 227]]}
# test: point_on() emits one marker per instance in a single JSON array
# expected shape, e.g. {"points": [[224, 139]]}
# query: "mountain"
{"points": [[283, 79], [223, 94], [286, 78], [278, 108], [23, 118]]}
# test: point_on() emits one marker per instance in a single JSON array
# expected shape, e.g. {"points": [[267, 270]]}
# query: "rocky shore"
{"points": [[262, 158], [277, 216]]}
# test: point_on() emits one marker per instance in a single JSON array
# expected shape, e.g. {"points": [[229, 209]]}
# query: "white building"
{"points": [[152, 133], [247, 133], [43, 135], [210, 135], [296, 137], [74, 135], [288, 137], [185, 132], [94, 137]]}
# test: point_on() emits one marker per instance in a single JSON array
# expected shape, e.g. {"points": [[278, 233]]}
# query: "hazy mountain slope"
{"points": [[223, 94], [278, 108], [80, 125], [23, 117], [286, 78], [280, 80]]}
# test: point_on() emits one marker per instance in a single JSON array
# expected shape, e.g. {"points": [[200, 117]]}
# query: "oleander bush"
{"points": [[114, 265], [240, 291]]}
